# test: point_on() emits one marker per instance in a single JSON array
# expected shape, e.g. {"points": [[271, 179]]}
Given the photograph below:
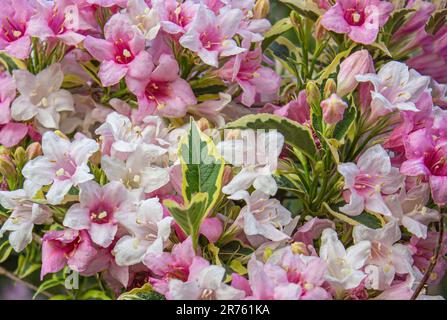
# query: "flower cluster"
{"points": [[192, 149]]}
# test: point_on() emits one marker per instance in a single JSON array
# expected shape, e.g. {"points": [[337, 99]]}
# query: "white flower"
{"points": [[204, 285], [262, 218], [148, 229], [395, 88], [145, 18], [63, 164], [41, 96], [139, 170], [257, 155], [386, 258], [343, 266], [25, 214]]}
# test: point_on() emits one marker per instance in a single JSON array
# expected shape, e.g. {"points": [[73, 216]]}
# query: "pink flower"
{"points": [[96, 211], [427, 157], [174, 16], [361, 20], [122, 52], [297, 109], [56, 21], [163, 92], [312, 230], [14, 37], [11, 133], [246, 70], [71, 247], [358, 63], [171, 265], [210, 36], [368, 180], [423, 251], [333, 109], [285, 276]]}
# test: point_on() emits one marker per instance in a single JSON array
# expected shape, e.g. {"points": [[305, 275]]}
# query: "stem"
{"points": [[433, 260], [4, 272]]}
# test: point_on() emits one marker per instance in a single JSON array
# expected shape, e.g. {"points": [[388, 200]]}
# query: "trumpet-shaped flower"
{"points": [[63, 165], [25, 214], [395, 88], [122, 52], [145, 18], [343, 265], [41, 97], [257, 154], [67, 247], [14, 37], [205, 282], [361, 20], [387, 258], [163, 92], [262, 218], [175, 16], [246, 70], [148, 231], [210, 36], [427, 157], [11, 133], [368, 180], [96, 211]]}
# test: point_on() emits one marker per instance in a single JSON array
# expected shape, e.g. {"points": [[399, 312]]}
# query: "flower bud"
{"points": [[34, 150], [333, 109], [329, 88], [7, 167], [320, 31], [359, 62], [312, 93], [295, 19], [19, 156], [261, 9]]}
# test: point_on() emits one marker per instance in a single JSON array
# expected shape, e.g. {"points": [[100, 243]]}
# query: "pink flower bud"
{"points": [[333, 109], [359, 62]]}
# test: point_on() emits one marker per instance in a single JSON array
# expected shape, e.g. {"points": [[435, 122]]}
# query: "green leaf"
{"points": [[307, 8], [332, 67], [11, 63], [5, 251], [48, 284], [191, 216], [437, 20], [144, 293], [277, 29], [235, 249], [342, 128], [370, 220], [295, 134], [94, 295], [202, 167], [237, 267]]}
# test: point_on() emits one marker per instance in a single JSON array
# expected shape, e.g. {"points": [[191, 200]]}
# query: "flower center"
{"points": [[355, 17]]}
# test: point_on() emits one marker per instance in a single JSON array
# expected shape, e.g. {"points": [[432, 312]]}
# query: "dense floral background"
{"points": [[223, 149]]}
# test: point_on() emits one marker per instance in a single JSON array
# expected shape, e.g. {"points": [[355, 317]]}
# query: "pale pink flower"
{"points": [[387, 257], [41, 96], [163, 92], [368, 180], [56, 21], [148, 231], [25, 214], [361, 20], [297, 109], [312, 230], [122, 52], [11, 133], [175, 16], [246, 70], [63, 165], [96, 211], [358, 63], [205, 282], [14, 37], [285, 276], [210, 36], [262, 219], [66, 247], [333, 109]]}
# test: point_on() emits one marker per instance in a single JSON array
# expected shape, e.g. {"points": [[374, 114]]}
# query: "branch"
{"points": [[433, 261], [4, 272]]}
